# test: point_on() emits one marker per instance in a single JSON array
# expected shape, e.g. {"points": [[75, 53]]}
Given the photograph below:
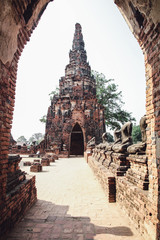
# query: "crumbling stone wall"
{"points": [[76, 102], [144, 20], [18, 18], [124, 178], [15, 148], [18, 149]]}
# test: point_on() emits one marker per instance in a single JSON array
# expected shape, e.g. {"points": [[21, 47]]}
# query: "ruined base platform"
{"points": [[36, 167], [21, 195], [45, 162], [27, 163]]}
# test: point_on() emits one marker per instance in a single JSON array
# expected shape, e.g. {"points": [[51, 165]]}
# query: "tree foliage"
{"points": [[136, 134], [53, 93], [43, 119], [109, 96], [22, 139], [36, 138]]}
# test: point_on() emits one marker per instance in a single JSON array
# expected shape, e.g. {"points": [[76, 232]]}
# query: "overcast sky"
{"points": [[111, 49]]}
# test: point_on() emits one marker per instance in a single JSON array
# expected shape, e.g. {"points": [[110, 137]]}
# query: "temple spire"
{"points": [[78, 54], [78, 43], [78, 81]]}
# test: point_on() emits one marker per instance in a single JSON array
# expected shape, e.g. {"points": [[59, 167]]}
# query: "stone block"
{"points": [[36, 167], [45, 162], [36, 160], [137, 174], [27, 163]]}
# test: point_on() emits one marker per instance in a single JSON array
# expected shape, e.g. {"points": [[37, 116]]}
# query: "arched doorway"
{"points": [[77, 141]]}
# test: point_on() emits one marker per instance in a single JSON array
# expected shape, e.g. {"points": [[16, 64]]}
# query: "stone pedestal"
{"points": [[50, 156], [26, 163], [138, 172], [119, 164], [52, 159], [45, 162], [36, 160], [33, 155], [36, 167]]}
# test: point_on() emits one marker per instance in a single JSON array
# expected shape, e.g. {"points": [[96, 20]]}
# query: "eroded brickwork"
{"points": [[20, 194], [17, 21], [144, 21], [124, 179], [75, 104]]}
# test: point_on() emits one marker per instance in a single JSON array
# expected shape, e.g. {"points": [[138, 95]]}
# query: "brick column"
{"points": [[144, 21], [18, 18]]}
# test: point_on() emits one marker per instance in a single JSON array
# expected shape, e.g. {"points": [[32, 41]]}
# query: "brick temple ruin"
{"points": [[75, 116], [18, 19]]}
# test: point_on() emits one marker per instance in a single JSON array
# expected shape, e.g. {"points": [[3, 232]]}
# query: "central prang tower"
{"points": [[75, 116], [78, 82]]}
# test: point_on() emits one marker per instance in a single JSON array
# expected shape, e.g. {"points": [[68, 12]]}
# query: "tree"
{"points": [[36, 137], [43, 119], [109, 97], [53, 93], [22, 139], [136, 134]]}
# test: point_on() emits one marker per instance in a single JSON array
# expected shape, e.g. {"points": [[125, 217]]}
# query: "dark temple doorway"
{"points": [[77, 141]]}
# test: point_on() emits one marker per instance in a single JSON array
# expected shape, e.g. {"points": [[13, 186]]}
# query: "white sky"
{"points": [[111, 49]]}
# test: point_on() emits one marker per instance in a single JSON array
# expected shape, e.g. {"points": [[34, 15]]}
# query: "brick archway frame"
{"points": [[18, 19]]}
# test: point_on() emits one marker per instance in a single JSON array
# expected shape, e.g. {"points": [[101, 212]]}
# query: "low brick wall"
{"points": [[137, 205], [134, 200], [17, 202]]}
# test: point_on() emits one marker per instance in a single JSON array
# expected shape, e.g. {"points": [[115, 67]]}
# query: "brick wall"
{"points": [[126, 191], [144, 21], [18, 20], [17, 202]]}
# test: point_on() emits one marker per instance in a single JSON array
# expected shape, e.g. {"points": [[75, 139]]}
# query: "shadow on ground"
{"points": [[47, 221]]}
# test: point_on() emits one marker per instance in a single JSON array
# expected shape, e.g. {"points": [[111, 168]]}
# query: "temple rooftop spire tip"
{"points": [[78, 43], [77, 25]]}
